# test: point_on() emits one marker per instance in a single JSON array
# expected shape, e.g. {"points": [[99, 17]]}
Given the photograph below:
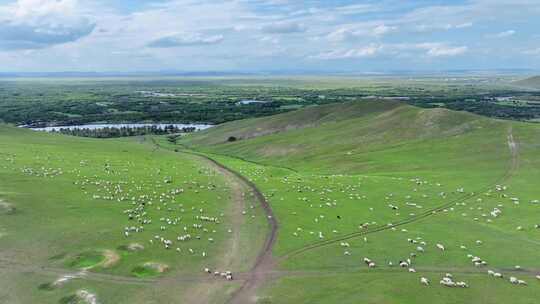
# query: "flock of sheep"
{"points": [[321, 198], [187, 222], [163, 205]]}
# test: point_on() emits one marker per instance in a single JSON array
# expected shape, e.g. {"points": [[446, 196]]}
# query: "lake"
{"points": [[126, 125]]}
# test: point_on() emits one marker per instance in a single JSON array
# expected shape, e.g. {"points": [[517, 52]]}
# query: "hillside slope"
{"points": [[304, 118], [343, 137], [532, 82], [434, 173]]}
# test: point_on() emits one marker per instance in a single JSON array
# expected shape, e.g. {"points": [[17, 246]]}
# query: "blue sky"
{"points": [[264, 35]]}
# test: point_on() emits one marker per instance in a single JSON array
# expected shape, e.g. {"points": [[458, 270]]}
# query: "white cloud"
{"points": [[36, 24], [354, 9], [442, 26], [352, 32], [283, 28], [442, 50], [367, 51], [502, 34], [429, 49], [179, 40], [533, 52]]}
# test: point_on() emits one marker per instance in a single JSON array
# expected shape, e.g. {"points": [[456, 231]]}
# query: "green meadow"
{"points": [[375, 180], [363, 180], [68, 205]]}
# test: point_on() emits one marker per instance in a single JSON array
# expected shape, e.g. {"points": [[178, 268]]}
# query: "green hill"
{"points": [[343, 137], [532, 82], [343, 182], [329, 171]]}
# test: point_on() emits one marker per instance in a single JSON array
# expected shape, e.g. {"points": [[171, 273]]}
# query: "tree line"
{"points": [[114, 132]]}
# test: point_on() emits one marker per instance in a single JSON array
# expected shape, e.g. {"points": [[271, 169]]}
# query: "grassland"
{"points": [[72, 206], [532, 82], [347, 181], [365, 181]]}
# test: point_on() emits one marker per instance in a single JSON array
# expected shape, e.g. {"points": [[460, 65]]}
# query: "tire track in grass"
{"points": [[512, 168]]}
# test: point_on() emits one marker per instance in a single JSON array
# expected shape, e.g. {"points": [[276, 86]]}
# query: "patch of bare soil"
{"points": [[111, 258], [135, 247], [86, 297], [159, 267]]}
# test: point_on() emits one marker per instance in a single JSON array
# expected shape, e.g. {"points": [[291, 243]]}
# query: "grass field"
{"points": [[66, 203], [378, 180], [389, 164]]}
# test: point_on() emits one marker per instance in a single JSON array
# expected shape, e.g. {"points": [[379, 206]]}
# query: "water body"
{"points": [[126, 125]]}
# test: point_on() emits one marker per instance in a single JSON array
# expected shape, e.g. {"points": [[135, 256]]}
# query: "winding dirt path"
{"points": [[261, 271], [264, 263]]}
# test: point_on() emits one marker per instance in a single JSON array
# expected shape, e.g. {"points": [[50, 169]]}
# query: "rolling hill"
{"points": [[532, 82], [345, 137], [387, 181]]}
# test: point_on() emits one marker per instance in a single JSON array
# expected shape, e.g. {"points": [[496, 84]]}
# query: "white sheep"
{"points": [[424, 281], [440, 246], [462, 284]]}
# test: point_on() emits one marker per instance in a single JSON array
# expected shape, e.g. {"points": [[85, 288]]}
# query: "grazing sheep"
{"points": [[424, 281], [513, 280], [498, 275], [440, 246], [462, 284], [521, 282], [447, 282], [412, 270]]}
